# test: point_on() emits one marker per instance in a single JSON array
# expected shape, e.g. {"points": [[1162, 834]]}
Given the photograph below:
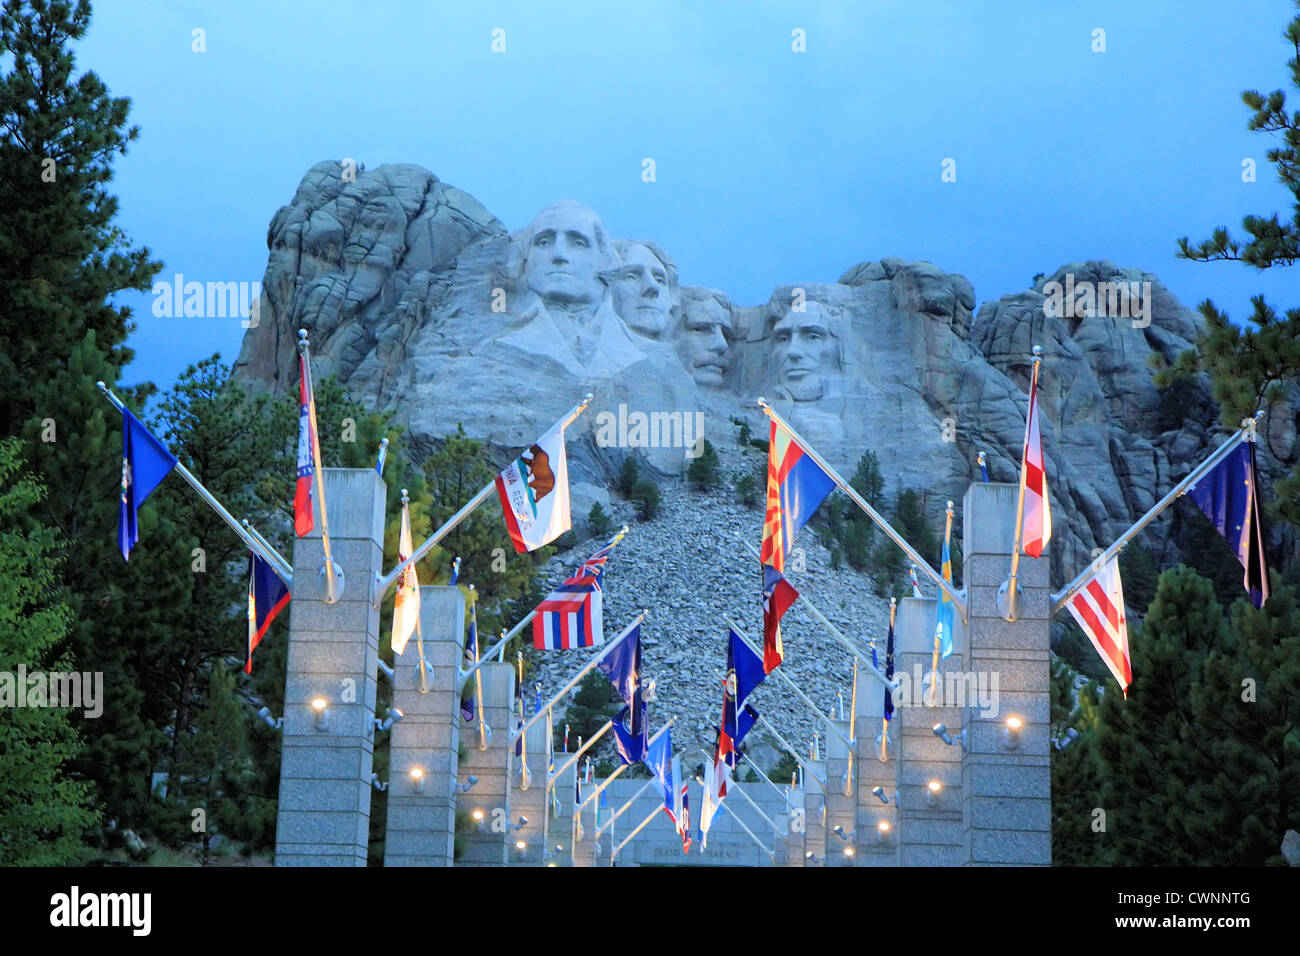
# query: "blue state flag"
{"points": [[745, 669], [945, 603], [622, 665], [659, 759], [145, 463], [630, 741], [889, 672], [1229, 496]]}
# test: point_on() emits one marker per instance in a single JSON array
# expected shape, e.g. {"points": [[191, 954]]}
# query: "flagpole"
{"points": [[753, 766], [478, 674], [735, 816], [621, 767], [584, 747], [267, 549], [587, 668], [505, 637], [741, 790], [334, 582], [546, 791], [1010, 591], [1245, 433], [804, 765], [793, 686], [853, 715], [875, 516], [623, 809], [938, 630], [831, 628], [884, 721], [521, 736], [383, 583], [641, 826], [261, 547], [420, 665]]}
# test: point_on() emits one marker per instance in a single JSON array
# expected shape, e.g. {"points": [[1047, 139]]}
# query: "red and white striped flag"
{"points": [[1037, 527], [1098, 606], [302, 517]]}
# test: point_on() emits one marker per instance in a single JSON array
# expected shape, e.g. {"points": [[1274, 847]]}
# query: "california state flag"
{"points": [[1037, 527], [1098, 606], [406, 610], [534, 491]]}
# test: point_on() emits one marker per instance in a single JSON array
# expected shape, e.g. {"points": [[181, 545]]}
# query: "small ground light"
{"points": [[321, 708], [932, 791], [1011, 735], [417, 779]]}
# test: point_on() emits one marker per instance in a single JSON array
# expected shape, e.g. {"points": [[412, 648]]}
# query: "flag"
{"points": [[566, 738], [659, 761], [715, 789], [735, 729], [537, 698], [570, 616], [630, 732], [889, 671], [455, 572], [302, 512], [684, 817], [406, 605], [945, 603], [383, 457], [916, 585], [1037, 527], [1229, 496], [796, 485], [622, 665], [519, 705], [778, 595], [267, 597], [984, 468], [534, 492], [471, 657], [550, 766], [744, 668], [145, 463], [1098, 606]]}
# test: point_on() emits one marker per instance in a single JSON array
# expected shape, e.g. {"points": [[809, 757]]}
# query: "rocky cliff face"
{"points": [[423, 304]]}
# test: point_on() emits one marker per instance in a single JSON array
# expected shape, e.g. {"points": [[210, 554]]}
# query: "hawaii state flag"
{"points": [[406, 606], [1037, 527], [1229, 496], [778, 595], [302, 517], [570, 616], [534, 491], [796, 485], [1098, 606], [145, 463], [267, 597]]}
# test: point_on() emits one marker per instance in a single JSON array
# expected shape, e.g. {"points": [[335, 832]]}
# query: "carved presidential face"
{"points": [[702, 343], [563, 257], [800, 341], [642, 292]]}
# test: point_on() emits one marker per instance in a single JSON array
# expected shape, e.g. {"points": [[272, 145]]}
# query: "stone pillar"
{"points": [[529, 803], [927, 835], [484, 845], [422, 822], [1006, 793], [324, 808]]}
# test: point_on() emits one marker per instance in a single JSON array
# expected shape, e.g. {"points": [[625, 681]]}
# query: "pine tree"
{"points": [[44, 811], [598, 522], [628, 473], [1250, 367], [703, 471]]}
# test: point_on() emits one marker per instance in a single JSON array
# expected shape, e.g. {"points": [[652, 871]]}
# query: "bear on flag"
{"points": [[534, 491]]}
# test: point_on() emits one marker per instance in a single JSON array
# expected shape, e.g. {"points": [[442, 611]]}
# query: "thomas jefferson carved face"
{"points": [[566, 251], [643, 292], [702, 342], [800, 341]]}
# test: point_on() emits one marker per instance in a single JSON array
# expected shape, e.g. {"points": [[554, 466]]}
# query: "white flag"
{"points": [[406, 610], [534, 491]]}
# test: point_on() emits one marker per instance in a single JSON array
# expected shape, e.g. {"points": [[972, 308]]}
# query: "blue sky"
{"points": [[772, 166]]}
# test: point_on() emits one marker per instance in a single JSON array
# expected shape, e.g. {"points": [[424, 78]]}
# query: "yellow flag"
{"points": [[406, 611]]}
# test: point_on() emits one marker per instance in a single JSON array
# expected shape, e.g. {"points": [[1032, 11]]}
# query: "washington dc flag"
{"points": [[796, 485], [1033, 478], [534, 491], [1098, 606]]}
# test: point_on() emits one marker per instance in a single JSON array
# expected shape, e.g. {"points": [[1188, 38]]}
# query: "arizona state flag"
{"points": [[796, 485], [302, 517], [534, 491], [267, 597], [406, 606], [1033, 478]]}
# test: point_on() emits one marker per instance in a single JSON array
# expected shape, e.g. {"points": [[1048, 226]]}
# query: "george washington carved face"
{"points": [[565, 251]]}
